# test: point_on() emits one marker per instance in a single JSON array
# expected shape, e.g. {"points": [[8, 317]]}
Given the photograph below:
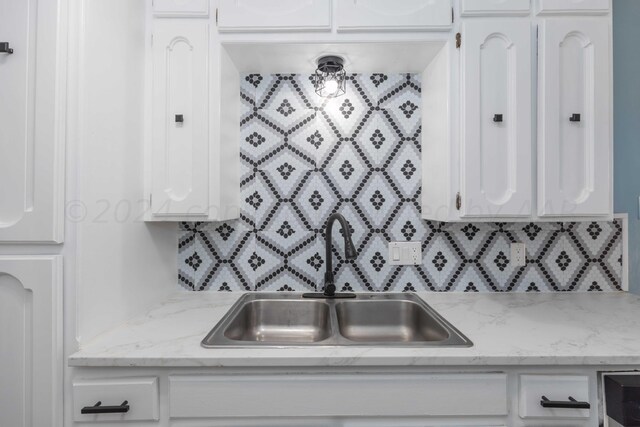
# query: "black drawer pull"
{"points": [[575, 118], [5, 48], [571, 404], [497, 118], [99, 409]]}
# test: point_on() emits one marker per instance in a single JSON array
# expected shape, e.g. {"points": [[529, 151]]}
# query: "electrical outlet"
{"points": [[405, 253], [518, 254]]}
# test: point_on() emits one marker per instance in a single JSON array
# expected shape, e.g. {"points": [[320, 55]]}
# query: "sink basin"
{"points": [[280, 321], [388, 321], [288, 320]]}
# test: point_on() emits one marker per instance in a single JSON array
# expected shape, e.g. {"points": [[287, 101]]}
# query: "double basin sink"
{"points": [[289, 320]]}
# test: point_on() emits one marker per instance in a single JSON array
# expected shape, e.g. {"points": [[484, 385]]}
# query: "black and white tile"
{"points": [[304, 158]]}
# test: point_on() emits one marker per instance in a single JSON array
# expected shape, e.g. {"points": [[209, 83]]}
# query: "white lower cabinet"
{"points": [[116, 399], [338, 395], [345, 397], [31, 341]]}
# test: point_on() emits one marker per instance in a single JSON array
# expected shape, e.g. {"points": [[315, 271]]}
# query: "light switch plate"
{"points": [[405, 253], [518, 254]]}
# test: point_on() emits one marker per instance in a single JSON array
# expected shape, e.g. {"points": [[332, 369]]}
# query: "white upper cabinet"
{"points": [[274, 15], [181, 8], [575, 7], [31, 126], [496, 118], [575, 138], [408, 15], [180, 140], [495, 7]]}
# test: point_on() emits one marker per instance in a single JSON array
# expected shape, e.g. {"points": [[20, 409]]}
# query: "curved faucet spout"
{"points": [[349, 251]]}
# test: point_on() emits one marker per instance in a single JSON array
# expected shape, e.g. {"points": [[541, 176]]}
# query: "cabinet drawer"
{"points": [[274, 15], [586, 7], [495, 7], [141, 394], [338, 395], [554, 388], [181, 8], [408, 15]]}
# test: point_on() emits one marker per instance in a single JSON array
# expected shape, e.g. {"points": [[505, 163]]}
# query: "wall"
{"points": [[304, 158], [626, 64], [123, 265]]}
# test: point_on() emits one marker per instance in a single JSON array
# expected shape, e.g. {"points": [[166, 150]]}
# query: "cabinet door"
{"points": [[31, 341], [575, 144], [413, 15], [31, 143], [180, 171], [496, 118], [257, 15]]}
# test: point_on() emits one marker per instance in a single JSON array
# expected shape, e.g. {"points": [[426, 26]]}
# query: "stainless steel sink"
{"points": [[388, 321], [280, 321], [288, 320]]}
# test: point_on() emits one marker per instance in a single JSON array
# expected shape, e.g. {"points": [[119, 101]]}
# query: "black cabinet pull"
{"points": [[571, 404], [99, 409], [497, 118], [4, 48], [179, 118], [574, 118]]}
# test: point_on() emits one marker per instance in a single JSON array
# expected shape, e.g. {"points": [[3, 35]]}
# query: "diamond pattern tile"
{"points": [[304, 158]]}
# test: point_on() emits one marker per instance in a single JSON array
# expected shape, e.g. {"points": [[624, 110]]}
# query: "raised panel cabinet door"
{"points": [[180, 168], [399, 15], [31, 143], [31, 359], [496, 118], [574, 102], [274, 15]]}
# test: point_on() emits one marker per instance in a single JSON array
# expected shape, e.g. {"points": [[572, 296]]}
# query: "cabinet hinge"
{"points": [[216, 16], [458, 40], [452, 16], [458, 201]]}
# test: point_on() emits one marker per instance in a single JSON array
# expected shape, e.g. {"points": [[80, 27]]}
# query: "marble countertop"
{"points": [[506, 329]]}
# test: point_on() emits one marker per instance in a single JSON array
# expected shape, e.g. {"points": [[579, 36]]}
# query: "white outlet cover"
{"points": [[518, 255], [405, 253]]}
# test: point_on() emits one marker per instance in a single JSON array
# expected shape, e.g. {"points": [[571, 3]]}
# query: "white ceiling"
{"points": [[392, 57]]}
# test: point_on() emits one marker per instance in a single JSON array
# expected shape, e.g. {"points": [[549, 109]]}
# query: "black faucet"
{"points": [[349, 253]]}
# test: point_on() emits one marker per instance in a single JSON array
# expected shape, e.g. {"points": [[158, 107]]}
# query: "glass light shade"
{"points": [[330, 78]]}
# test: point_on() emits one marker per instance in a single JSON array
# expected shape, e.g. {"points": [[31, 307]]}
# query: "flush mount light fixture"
{"points": [[330, 79]]}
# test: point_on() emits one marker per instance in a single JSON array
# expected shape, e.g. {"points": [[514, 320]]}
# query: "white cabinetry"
{"points": [[557, 388], [31, 341], [376, 15], [181, 8], [496, 118], [274, 15], [350, 395], [574, 118], [495, 7], [31, 117], [137, 399], [563, 7], [180, 139]]}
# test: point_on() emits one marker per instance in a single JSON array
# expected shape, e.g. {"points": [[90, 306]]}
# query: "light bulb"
{"points": [[331, 87]]}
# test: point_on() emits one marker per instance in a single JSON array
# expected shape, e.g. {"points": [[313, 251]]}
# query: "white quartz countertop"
{"points": [[506, 329]]}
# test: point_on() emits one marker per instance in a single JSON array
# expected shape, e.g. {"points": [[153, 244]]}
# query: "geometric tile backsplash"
{"points": [[304, 157]]}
